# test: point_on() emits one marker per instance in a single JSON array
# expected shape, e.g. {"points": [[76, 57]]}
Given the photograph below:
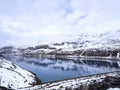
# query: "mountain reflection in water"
{"points": [[54, 69]]}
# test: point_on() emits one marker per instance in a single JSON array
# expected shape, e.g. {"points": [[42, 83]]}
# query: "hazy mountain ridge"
{"points": [[107, 44]]}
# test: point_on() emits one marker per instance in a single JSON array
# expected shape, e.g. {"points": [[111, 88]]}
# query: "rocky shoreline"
{"points": [[108, 82], [92, 82]]}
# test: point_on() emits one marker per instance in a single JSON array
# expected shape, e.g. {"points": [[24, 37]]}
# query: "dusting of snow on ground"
{"points": [[12, 76]]}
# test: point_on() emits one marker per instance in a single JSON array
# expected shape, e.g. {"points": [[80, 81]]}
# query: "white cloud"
{"points": [[50, 20]]}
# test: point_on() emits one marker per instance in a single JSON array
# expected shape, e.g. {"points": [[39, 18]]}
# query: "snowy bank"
{"points": [[12, 76]]}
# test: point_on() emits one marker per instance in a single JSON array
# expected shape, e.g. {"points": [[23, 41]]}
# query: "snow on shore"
{"points": [[12, 76], [72, 83]]}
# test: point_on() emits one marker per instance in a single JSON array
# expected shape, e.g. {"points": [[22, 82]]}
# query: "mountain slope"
{"points": [[107, 44], [12, 76]]}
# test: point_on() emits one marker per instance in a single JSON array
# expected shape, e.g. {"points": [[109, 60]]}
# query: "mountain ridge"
{"points": [[107, 44]]}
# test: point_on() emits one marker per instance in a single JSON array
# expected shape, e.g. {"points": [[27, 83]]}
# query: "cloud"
{"points": [[23, 21]]}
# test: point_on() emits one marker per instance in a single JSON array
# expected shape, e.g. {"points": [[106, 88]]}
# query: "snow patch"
{"points": [[12, 76], [114, 89]]}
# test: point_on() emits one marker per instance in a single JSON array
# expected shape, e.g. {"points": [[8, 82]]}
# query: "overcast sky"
{"points": [[30, 21]]}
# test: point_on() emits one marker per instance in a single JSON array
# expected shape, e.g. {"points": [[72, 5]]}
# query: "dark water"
{"points": [[52, 70]]}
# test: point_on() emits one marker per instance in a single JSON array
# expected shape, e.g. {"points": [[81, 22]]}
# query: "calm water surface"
{"points": [[52, 70]]}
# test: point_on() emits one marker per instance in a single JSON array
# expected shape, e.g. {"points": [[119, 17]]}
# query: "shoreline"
{"points": [[82, 77], [77, 80], [74, 82], [75, 57]]}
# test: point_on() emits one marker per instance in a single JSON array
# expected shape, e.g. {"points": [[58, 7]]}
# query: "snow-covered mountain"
{"points": [[14, 77], [85, 44], [91, 41]]}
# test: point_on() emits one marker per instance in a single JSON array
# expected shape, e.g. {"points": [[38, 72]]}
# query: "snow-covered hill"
{"points": [[12, 76], [85, 44]]}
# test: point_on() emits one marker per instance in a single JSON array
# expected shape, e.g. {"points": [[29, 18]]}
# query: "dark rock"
{"points": [[4, 88], [108, 82], [6, 49]]}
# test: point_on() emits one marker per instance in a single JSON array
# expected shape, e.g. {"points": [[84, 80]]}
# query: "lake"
{"points": [[55, 69]]}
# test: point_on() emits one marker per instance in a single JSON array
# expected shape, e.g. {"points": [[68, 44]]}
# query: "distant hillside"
{"points": [[102, 45]]}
